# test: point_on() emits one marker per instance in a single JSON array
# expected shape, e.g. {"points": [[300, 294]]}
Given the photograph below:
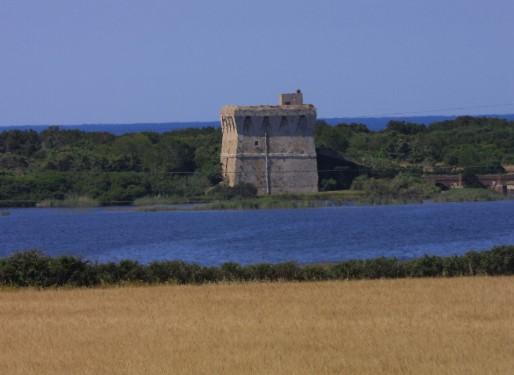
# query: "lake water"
{"points": [[301, 235]]}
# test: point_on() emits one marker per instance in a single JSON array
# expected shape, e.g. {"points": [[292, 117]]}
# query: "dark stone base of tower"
{"points": [[271, 147]]}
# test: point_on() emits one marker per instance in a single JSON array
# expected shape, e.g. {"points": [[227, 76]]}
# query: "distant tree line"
{"points": [[113, 169], [34, 269], [482, 145]]}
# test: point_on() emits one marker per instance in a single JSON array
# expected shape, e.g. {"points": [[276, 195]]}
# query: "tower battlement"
{"points": [[295, 98], [270, 146]]}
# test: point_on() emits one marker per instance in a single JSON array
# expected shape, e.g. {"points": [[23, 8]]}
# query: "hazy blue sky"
{"points": [[90, 61]]}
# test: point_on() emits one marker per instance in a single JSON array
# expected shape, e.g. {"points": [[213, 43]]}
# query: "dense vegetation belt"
{"points": [[34, 269]]}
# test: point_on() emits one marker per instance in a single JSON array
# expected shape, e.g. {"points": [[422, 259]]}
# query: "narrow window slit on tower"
{"points": [[247, 124], [302, 121], [265, 123]]}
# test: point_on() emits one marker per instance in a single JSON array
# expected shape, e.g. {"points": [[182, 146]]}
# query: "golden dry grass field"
{"points": [[413, 326]]}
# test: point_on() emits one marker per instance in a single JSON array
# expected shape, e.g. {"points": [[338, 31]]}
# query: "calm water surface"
{"points": [[302, 235]]}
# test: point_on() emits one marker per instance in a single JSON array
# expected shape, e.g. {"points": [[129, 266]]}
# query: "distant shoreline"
{"points": [[286, 201], [373, 123]]}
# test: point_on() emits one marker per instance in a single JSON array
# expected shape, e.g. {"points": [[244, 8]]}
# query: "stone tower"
{"points": [[271, 147]]}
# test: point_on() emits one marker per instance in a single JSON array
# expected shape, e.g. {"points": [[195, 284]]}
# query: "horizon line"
{"points": [[217, 121]]}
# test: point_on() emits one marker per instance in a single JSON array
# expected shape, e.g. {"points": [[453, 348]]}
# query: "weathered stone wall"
{"points": [[228, 149], [271, 147]]}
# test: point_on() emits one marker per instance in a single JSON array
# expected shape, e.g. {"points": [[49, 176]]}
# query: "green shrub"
{"points": [[427, 266], [402, 188], [33, 268], [29, 268], [70, 270], [233, 272], [261, 272], [287, 271], [315, 273]]}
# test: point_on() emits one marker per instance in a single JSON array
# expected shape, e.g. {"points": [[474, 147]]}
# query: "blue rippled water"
{"points": [[301, 235]]}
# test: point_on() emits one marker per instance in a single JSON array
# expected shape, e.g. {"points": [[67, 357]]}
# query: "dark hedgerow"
{"points": [[35, 269]]}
